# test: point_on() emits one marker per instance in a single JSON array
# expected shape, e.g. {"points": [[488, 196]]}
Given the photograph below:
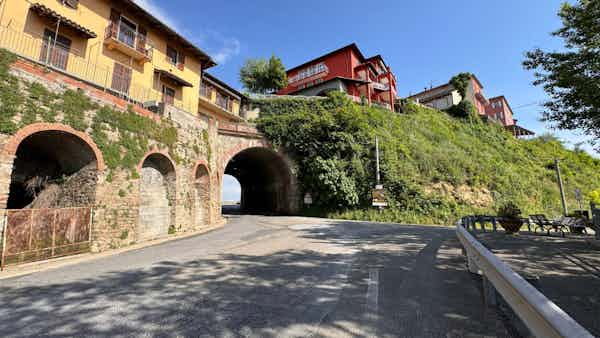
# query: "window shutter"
{"points": [[141, 45], [115, 17], [121, 80], [181, 62]]}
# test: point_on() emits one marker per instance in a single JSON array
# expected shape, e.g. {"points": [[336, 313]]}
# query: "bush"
{"points": [[332, 141], [509, 210], [464, 109]]}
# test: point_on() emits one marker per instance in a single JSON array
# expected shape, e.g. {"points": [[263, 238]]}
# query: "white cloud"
{"points": [[230, 48], [159, 13], [219, 47]]}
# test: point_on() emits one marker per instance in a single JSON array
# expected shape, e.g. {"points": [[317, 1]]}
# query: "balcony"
{"points": [[380, 86], [129, 42], [219, 104]]}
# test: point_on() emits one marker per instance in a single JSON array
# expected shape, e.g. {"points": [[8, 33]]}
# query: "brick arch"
{"points": [[200, 163], [231, 152], [155, 152], [13, 143]]}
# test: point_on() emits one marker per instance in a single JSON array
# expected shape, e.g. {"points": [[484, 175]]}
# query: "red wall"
{"points": [[339, 64], [492, 111]]}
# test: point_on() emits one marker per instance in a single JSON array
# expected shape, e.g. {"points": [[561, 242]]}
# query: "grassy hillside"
{"points": [[435, 167]]}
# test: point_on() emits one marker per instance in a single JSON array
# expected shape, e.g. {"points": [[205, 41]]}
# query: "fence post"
{"points": [[53, 233], [30, 227], [90, 226], [4, 235]]}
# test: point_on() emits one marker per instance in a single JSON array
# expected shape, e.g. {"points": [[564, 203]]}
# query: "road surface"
{"points": [[262, 277]]}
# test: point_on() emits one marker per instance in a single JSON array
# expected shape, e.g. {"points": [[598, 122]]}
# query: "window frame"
{"points": [[136, 31], [177, 56]]}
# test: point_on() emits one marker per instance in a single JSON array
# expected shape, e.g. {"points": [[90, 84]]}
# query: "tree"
{"points": [[571, 77], [262, 76], [460, 82]]}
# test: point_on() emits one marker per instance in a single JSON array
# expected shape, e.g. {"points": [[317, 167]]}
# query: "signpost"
{"points": [[308, 200], [379, 197], [378, 193]]}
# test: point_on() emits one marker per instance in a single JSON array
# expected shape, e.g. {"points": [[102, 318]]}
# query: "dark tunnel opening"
{"points": [[49, 159], [265, 179]]}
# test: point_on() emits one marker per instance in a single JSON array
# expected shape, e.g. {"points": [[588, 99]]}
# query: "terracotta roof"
{"points": [[443, 85], [352, 46], [51, 14], [222, 84], [333, 79], [171, 33]]}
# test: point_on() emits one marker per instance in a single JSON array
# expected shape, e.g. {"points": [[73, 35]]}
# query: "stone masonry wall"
{"points": [[116, 209]]}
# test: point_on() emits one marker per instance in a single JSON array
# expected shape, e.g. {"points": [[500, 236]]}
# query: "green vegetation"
{"points": [[263, 76], [570, 75], [435, 168], [132, 134]]}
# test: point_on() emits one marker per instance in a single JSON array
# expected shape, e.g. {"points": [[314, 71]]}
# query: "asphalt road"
{"points": [[262, 277]]}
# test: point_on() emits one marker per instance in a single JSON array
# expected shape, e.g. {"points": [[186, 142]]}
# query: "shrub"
{"points": [[509, 210], [464, 109]]}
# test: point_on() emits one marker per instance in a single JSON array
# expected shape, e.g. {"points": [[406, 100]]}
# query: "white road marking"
{"points": [[373, 290]]}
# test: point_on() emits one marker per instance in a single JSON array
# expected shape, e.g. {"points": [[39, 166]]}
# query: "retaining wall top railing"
{"points": [[76, 64], [541, 316]]}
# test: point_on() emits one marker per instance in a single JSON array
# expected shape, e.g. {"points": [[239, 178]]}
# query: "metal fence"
{"points": [[38, 234], [74, 63]]}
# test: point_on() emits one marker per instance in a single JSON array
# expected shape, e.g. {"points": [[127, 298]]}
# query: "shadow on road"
{"points": [[422, 290]]}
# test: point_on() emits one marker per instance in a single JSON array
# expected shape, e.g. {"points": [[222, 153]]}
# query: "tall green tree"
{"points": [[263, 76], [571, 77]]}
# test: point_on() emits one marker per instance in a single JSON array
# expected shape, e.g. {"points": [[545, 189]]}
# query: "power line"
{"points": [[536, 103]]}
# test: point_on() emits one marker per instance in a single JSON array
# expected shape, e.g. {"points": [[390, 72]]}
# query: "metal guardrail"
{"points": [[541, 316]]}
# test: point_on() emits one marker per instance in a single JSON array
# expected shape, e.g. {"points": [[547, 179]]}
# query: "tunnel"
{"points": [[48, 159], [266, 181]]}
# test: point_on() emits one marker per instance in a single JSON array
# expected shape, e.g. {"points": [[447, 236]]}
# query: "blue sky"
{"points": [[425, 42]]}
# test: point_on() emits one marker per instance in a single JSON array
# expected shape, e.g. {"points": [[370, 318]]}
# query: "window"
{"points": [[205, 90], [308, 72], [55, 53], [127, 32], [168, 95], [172, 55], [223, 101], [121, 80]]}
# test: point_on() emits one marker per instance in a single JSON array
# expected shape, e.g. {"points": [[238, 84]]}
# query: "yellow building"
{"points": [[115, 45], [220, 100]]}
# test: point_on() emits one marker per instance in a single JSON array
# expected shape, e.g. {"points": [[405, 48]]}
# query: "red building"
{"points": [[346, 69]]}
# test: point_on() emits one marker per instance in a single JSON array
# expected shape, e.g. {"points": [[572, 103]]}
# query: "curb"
{"points": [[40, 266]]}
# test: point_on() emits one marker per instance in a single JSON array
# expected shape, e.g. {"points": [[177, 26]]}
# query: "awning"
{"points": [[46, 12], [173, 77], [519, 131]]}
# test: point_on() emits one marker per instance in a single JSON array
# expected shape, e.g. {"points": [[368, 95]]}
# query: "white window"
{"points": [[308, 72]]}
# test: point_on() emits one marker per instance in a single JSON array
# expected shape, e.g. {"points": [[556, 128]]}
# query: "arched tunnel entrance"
{"points": [[53, 169], [266, 181]]}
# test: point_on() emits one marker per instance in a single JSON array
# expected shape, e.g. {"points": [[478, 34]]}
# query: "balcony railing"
{"points": [[380, 86], [128, 41], [71, 62]]}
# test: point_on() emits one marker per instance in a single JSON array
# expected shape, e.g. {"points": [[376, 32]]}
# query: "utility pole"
{"points": [[377, 160], [560, 186]]}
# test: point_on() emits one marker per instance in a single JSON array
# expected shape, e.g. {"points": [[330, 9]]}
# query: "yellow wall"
{"points": [[95, 16], [210, 109]]}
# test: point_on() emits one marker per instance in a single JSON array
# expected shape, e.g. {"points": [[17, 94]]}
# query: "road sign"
{"points": [[379, 197], [308, 199]]}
